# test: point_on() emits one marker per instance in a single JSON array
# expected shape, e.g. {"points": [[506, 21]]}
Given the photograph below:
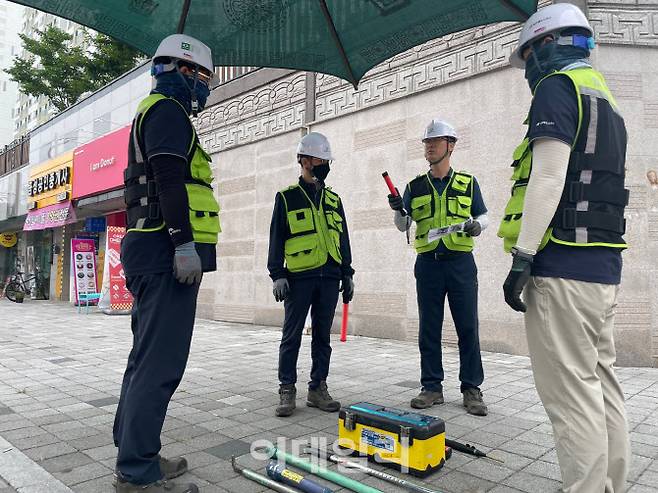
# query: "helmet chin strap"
{"points": [[445, 154]]}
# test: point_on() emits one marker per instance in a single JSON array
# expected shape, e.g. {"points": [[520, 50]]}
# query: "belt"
{"points": [[434, 255]]}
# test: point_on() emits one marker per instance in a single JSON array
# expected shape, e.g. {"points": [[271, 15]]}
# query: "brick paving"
{"points": [[60, 375]]}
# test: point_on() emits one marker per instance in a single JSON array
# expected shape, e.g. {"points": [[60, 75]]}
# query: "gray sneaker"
{"points": [[287, 398], [321, 399], [170, 468], [474, 403], [427, 398], [157, 487]]}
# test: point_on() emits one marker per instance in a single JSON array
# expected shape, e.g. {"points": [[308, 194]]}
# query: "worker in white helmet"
{"points": [[445, 266], [564, 225], [310, 262], [173, 223]]}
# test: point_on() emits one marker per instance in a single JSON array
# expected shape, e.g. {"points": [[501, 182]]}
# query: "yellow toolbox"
{"points": [[408, 441]]}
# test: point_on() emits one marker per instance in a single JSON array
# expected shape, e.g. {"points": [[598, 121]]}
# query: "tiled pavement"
{"points": [[60, 374]]}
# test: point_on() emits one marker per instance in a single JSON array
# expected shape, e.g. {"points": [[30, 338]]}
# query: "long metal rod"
{"points": [[183, 16], [523, 16], [337, 41], [321, 472], [262, 480], [408, 485]]}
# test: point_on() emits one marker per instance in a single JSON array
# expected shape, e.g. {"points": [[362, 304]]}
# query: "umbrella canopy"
{"points": [[345, 38]]}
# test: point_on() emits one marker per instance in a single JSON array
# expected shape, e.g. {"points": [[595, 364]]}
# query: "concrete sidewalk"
{"points": [[60, 374]]}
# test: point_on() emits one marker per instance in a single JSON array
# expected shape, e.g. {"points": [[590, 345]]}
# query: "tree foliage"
{"points": [[56, 69]]}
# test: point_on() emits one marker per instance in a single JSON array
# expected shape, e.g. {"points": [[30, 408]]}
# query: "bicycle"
{"points": [[19, 284]]}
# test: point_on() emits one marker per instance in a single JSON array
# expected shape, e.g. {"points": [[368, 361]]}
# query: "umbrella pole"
{"points": [[183, 16]]}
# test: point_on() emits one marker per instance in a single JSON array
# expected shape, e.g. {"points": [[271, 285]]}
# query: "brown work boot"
{"points": [[170, 468], [321, 399], [427, 398], [474, 403], [157, 487], [287, 398]]}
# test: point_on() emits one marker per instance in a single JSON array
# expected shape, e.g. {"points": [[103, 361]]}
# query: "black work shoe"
{"points": [[157, 487], [473, 402], [321, 399], [427, 398], [287, 397], [170, 468]]}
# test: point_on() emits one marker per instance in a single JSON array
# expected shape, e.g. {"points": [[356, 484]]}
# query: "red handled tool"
{"points": [[391, 187], [343, 327]]}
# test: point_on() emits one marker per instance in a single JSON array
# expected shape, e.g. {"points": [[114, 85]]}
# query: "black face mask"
{"points": [[320, 171]]}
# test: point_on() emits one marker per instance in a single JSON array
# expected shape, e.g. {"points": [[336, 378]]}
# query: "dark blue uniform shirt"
{"points": [[166, 131], [477, 207], [554, 114]]}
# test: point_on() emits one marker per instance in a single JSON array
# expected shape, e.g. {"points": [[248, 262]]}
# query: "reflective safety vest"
{"points": [[591, 208], [141, 193], [430, 210], [315, 233]]}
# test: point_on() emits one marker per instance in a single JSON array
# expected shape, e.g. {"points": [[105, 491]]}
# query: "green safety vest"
{"points": [[141, 194], [591, 208], [314, 233], [430, 210]]}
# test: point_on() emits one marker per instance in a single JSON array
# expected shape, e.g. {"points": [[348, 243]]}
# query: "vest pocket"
{"points": [[204, 213], [200, 166], [422, 229], [331, 199], [300, 220], [421, 207], [460, 206], [302, 252], [334, 221], [522, 161], [461, 182], [510, 226]]}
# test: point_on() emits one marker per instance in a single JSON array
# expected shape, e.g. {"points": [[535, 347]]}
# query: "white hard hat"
{"points": [[439, 128], [556, 17], [316, 145], [184, 47]]}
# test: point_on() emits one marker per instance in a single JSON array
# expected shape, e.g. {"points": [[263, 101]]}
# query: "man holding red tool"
{"points": [[308, 233], [448, 210]]}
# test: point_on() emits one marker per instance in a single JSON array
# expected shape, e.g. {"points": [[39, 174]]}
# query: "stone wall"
{"points": [[465, 79]]}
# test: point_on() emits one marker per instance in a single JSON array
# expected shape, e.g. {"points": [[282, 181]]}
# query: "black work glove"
{"points": [[472, 228], [347, 287], [516, 280], [281, 289], [396, 202]]}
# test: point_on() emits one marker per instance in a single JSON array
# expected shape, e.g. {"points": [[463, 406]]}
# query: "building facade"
{"points": [[254, 122], [30, 111], [11, 19], [253, 128]]}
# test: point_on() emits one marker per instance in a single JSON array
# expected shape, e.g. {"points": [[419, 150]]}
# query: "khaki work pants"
{"points": [[569, 325]]}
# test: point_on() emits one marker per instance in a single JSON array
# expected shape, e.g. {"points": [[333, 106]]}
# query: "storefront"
{"points": [[49, 212], [98, 199]]}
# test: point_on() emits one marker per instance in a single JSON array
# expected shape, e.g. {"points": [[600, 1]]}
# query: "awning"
{"points": [[51, 216]]}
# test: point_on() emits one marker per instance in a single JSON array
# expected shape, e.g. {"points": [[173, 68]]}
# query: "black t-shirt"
{"points": [[554, 114], [166, 130]]}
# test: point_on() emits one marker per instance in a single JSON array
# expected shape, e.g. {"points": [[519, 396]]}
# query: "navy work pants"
{"points": [[321, 295], [162, 322], [456, 277]]}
